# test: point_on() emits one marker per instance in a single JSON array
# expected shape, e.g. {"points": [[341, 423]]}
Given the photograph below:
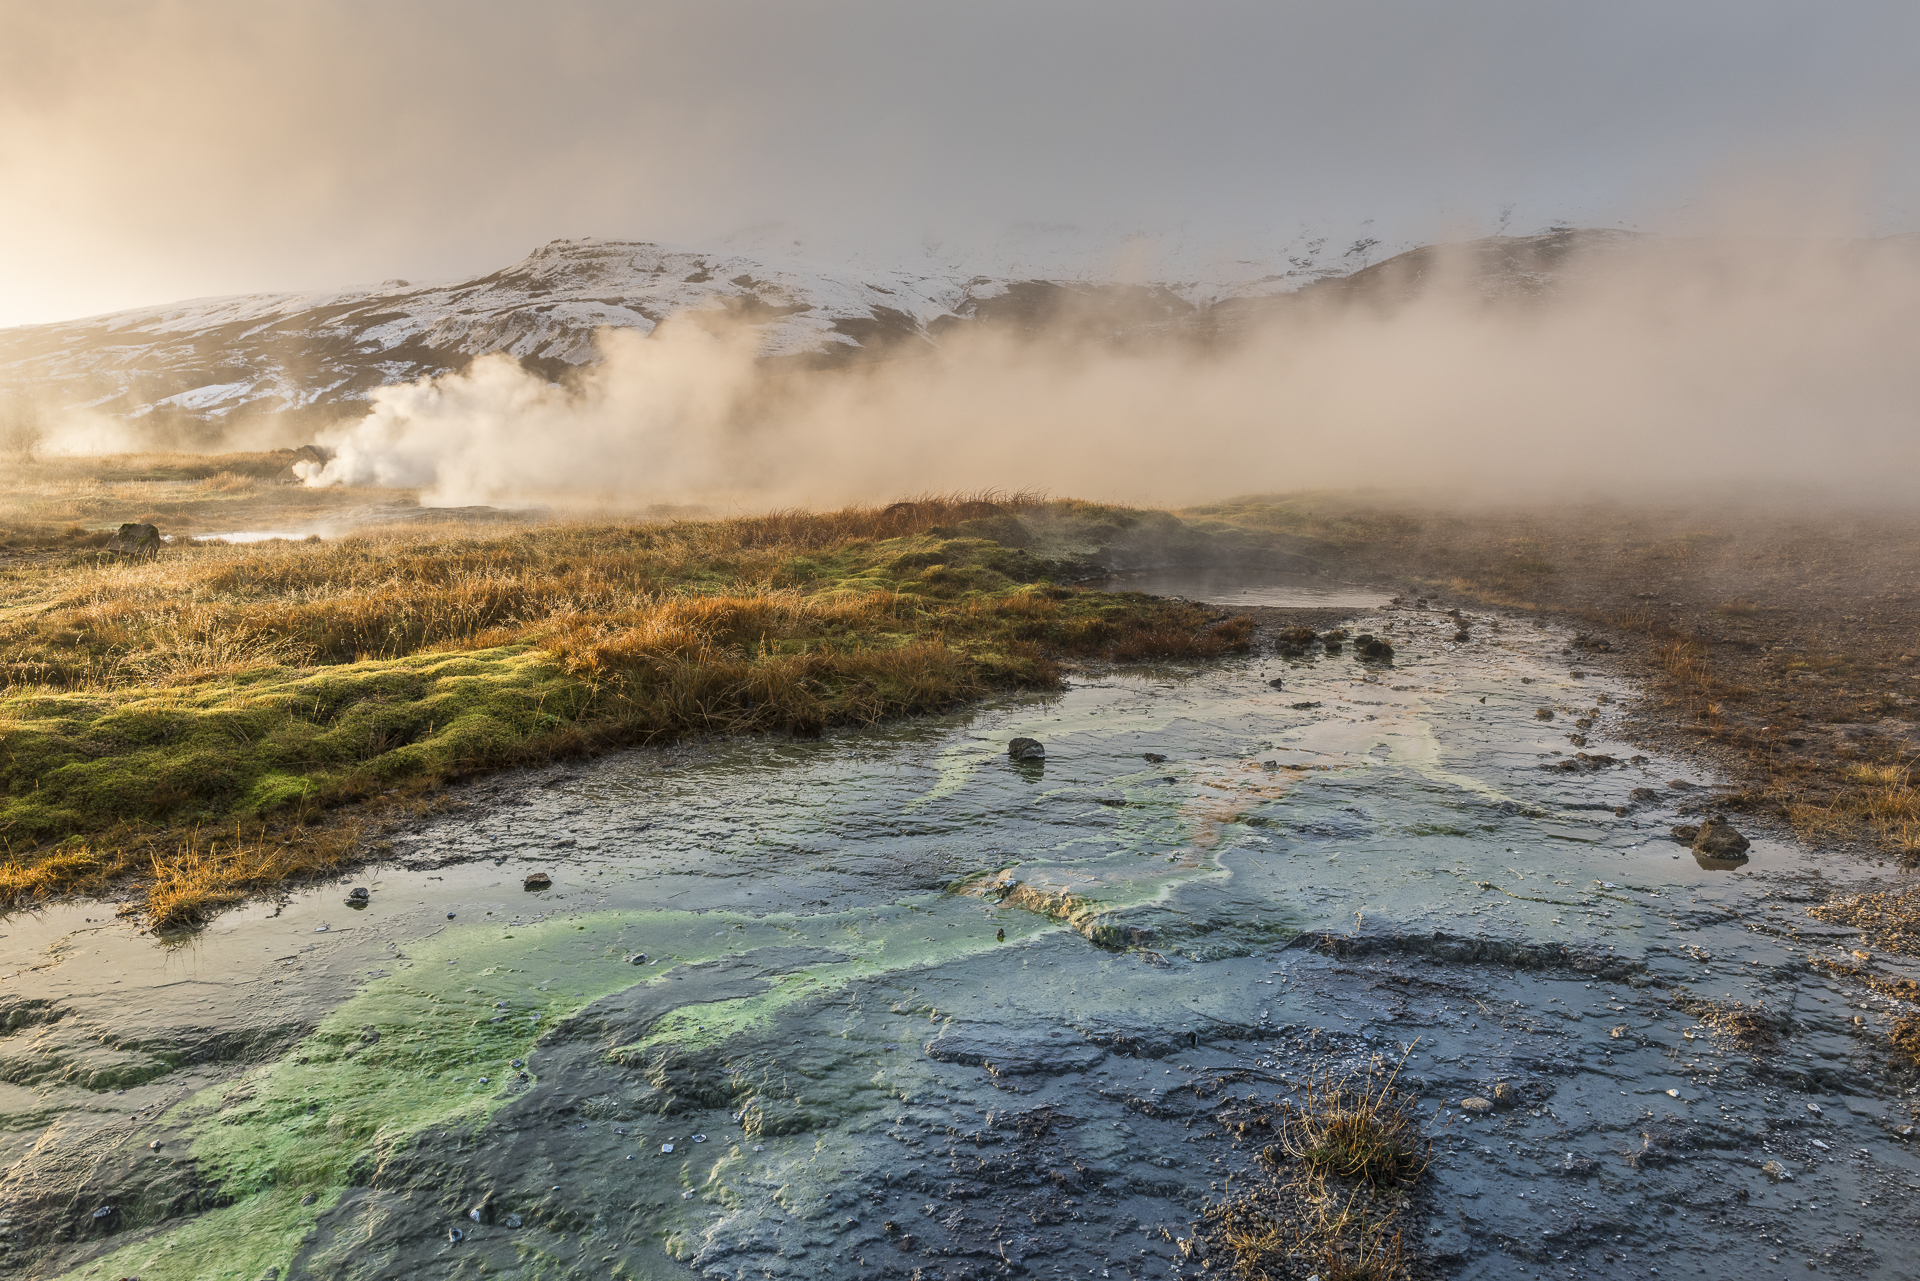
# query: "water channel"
{"points": [[889, 1004]]}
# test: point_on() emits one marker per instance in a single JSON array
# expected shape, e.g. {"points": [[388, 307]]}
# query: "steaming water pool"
{"points": [[857, 1075]]}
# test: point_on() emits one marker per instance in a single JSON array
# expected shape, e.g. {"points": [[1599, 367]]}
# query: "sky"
{"points": [[152, 150]]}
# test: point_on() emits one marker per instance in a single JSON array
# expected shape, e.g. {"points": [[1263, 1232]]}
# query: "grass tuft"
{"points": [[1331, 1194]]}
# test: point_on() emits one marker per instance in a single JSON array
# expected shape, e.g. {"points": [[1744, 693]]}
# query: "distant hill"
{"points": [[191, 371]]}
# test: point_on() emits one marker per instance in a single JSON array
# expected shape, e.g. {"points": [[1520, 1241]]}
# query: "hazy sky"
{"points": [[156, 151]]}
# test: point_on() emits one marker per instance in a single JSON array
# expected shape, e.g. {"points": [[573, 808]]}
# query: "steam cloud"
{"points": [[1657, 367]]}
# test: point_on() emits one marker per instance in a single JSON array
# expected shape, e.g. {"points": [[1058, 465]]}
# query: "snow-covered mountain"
{"points": [[192, 371]]}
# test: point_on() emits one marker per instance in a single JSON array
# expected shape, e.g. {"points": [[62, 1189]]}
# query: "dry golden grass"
{"points": [[1905, 1036], [190, 722], [1331, 1193]]}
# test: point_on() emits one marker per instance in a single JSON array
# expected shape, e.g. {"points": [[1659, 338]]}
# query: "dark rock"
{"points": [[1303, 707], [1718, 839], [1026, 749], [357, 896], [1644, 794], [1155, 757], [1543, 713], [537, 881], [136, 540], [1462, 636], [1277, 683], [1685, 833]]}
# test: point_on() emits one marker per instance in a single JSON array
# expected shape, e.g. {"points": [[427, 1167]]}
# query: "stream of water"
{"points": [[890, 1004]]}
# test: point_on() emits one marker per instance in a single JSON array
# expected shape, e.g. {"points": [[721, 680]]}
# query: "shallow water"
{"points": [[878, 1082], [1233, 588]]}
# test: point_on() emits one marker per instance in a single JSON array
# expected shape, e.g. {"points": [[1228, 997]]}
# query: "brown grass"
{"points": [[1890, 919], [1748, 1027], [1905, 1036], [1330, 1195]]}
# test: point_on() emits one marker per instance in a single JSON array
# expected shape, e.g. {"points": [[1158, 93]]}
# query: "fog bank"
{"points": [[1650, 368]]}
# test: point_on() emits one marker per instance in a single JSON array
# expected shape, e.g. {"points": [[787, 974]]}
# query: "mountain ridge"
{"points": [[191, 371]]}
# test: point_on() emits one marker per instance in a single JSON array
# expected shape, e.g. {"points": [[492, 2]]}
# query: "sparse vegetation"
{"points": [[197, 722], [1331, 1193]]}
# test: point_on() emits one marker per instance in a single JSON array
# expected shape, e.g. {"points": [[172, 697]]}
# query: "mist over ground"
{"points": [[1653, 368]]}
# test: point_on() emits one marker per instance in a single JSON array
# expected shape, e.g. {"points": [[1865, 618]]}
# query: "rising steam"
{"points": [[1653, 366]]}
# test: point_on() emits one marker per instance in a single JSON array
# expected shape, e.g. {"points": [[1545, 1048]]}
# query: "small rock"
{"points": [[1717, 839], [699, 1138], [103, 1212], [135, 539], [308, 1199], [638, 958], [666, 1149], [1000, 936], [1505, 1095], [358, 896], [1462, 636], [474, 1214], [455, 1236], [1026, 749], [1673, 1094], [1686, 833], [1474, 1103], [1644, 794], [537, 881], [1543, 713], [1303, 707], [513, 1220], [1155, 757], [371, 1035], [1277, 683], [154, 1146], [1776, 1172]]}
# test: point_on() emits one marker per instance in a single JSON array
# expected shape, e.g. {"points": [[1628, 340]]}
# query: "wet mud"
{"points": [[891, 1005]]}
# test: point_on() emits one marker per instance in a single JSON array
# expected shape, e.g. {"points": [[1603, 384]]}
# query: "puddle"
{"points": [[889, 1001]]}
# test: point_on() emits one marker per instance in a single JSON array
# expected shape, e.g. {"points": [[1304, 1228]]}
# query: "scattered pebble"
{"points": [[537, 881], [638, 958], [1673, 1094], [103, 1212], [1476, 1104], [666, 1148], [513, 1220], [699, 1138], [474, 1214]]}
